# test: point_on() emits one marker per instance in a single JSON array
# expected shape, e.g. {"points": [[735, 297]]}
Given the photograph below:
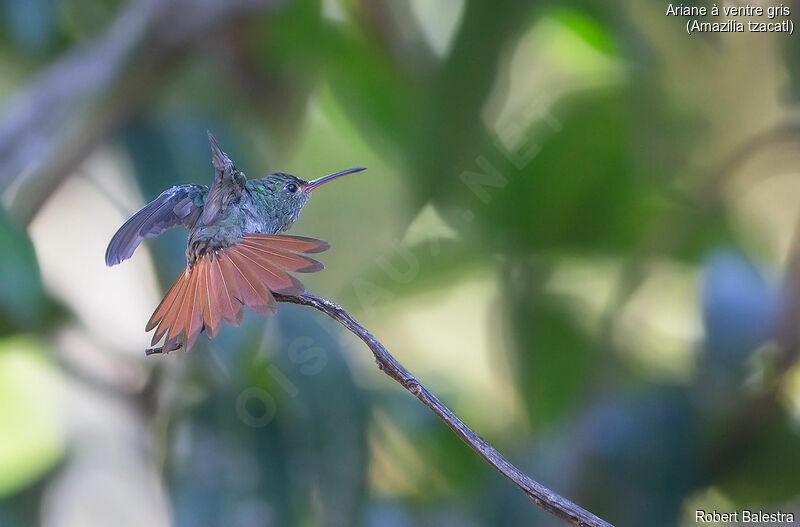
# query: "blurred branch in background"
{"points": [[539, 494], [699, 201], [764, 408], [55, 121]]}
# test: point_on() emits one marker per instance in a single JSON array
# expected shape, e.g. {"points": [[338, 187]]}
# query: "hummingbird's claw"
{"points": [[161, 350], [154, 351]]}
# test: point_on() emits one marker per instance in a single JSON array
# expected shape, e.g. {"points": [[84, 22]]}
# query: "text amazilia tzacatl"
{"points": [[234, 255]]}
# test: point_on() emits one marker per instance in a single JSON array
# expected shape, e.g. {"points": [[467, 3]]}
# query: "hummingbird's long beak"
{"points": [[324, 179]]}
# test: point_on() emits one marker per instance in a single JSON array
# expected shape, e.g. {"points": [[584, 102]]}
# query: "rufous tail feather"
{"points": [[219, 283]]}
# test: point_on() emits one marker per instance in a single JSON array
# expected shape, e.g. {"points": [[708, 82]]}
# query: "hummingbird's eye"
{"points": [[291, 187]]}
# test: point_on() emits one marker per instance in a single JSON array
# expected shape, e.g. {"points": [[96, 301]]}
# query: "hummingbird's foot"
{"points": [[199, 249], [161, 350], [154, 351]]}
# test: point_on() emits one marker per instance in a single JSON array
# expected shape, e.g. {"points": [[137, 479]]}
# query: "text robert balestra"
{"points": [[744, 516]]}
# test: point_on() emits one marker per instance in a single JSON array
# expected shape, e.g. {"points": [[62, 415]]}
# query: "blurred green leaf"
{"points": [[22, 297], [83, 19], [32, 441], [449, 134], [553, 356], [431, 265], [439, 466], [588, 28], [767, 471], [31, 23], [581, 190], [379, 96]]}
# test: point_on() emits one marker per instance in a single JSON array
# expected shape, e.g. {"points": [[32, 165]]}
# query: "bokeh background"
{"points": [[579, 227]]}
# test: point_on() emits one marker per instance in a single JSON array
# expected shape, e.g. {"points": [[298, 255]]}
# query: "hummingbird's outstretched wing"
{"points": [[179, 205], [228, 184]]}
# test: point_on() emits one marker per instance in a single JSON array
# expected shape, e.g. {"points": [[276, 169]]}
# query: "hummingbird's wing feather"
{"points": [[166, 304], [255, 293], [211, 308], [220, 282], [167, 316], [228, 184], [194, 307], [285, 242], [180, 205], [174, 321], [289, 261], [229, 292], [223, 302]]}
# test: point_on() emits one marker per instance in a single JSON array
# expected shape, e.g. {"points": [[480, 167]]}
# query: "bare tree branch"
{"points": [[539, 494]]}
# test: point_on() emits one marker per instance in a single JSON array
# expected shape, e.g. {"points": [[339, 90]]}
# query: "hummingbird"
{"points": [[235, 255]]}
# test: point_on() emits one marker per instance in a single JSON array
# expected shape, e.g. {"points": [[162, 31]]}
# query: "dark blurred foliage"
{"points": [[277, 425]]}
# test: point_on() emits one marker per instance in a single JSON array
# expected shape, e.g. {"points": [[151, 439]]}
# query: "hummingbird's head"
{"points": [[290, 193], [287, 189]]}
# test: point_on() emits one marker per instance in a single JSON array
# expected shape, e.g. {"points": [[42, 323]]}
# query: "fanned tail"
{"points": [[220, 282]]}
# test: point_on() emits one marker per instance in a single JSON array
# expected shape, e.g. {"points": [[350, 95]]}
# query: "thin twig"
{"points": [[539, 494]]}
